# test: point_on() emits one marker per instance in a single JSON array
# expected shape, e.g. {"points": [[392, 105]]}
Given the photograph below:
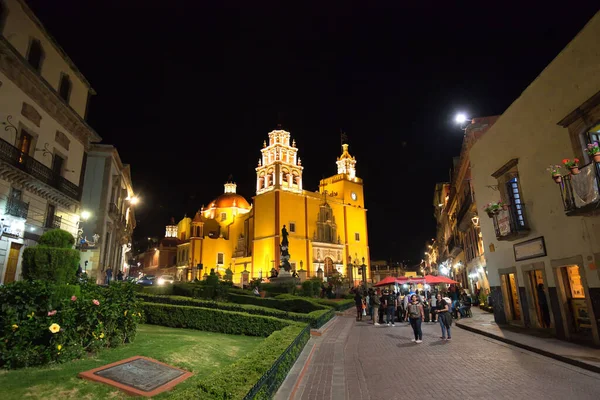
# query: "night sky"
{"points": [[188, 93]]}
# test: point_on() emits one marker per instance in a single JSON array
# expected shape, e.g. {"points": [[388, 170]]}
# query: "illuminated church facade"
{"points": [[327, 229]]}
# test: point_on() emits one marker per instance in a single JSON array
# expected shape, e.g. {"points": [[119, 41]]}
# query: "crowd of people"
{"points": [[413, 306]]}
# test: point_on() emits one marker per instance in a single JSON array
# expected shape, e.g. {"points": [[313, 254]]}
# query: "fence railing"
{"points": [[17, 208], [270, 381]]}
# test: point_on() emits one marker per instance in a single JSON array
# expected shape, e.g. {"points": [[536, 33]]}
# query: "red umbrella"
{"points": [[434, 280]]}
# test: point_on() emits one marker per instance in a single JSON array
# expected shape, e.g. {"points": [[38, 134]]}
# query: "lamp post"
{"points": [[349, 272], [85, 215]]}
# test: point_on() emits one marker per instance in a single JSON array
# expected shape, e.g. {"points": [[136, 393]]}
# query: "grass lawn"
{"points": [[195, 351]]}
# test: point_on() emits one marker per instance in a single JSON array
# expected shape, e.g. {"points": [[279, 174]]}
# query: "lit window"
{"points": [[220, 259], [357, 237], [223, 216], [292, 227]]}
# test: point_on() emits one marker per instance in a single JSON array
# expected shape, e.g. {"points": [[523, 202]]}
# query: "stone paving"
{"points": [[354, 360]]}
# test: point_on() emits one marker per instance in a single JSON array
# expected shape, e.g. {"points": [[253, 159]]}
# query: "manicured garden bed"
{"points": [[316, 318], [200, 352]]}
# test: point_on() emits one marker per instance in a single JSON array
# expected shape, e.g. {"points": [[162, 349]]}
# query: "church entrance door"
{"points": [[329, 270]]}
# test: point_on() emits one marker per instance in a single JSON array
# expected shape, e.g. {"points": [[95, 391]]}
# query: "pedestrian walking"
{"points": [[416, 315], [390, 306], [359, 305], [432, 305], [375, 304], [444, 316]]}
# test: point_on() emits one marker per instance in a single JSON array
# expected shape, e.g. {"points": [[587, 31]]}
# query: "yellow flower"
{"points": [[125, 313], [139, 314], [59, 347], [102, 336], [30, 315], [54, 328], [15, 327]]}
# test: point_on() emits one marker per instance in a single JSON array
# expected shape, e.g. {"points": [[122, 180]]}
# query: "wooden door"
{"points": [[11, 264]]}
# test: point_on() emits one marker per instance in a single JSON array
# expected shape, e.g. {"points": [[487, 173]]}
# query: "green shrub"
{"points": [[97, 317], [57, 238], [291, 303], [279, 288], [51, 264], [316, 319], [161, 290], [339, 305], [284, 345], [211, 320]]}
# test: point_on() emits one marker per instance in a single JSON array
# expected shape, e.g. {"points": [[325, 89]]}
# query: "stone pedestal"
{"points": [[302, 275]]}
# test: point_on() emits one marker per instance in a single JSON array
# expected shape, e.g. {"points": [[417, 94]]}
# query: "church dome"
{"points": [[230, 199]]}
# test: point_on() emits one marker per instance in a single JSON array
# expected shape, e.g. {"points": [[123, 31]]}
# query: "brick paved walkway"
{"points": [[353, 360]]}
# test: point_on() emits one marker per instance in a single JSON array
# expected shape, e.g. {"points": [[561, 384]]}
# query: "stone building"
{"points": [[44, 137], [543, 247], [109, 199]]}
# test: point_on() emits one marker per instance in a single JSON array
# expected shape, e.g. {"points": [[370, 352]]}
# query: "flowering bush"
{"points": [[593, 148], [554, 169], [570, 163], [38, 327], [491, 208]]}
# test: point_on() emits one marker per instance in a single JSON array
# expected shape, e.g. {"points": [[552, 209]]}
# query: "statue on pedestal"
{"points": [[283, 247]]}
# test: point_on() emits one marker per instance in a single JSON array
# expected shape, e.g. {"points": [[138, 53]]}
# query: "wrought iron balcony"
{"points": [[53, 222], [466, 212], [13, 156], [17, 208], [113, 209], [454, 248], [510, 223], [581, 193]]}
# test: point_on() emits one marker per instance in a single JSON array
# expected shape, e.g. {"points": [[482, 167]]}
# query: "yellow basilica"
{"points": [[327, 229]]}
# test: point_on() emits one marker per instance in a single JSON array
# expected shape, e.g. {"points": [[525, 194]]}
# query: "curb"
{"points": [[320, 331], [567, 360]]}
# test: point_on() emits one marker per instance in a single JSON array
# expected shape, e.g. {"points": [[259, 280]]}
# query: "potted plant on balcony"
{"points": [[594, 150], [494, 208], [573, 165], [555, 172]]}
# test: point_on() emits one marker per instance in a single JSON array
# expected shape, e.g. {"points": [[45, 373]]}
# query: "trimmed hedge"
{"points": [[53, 259], [211, 320], [316, 319], [339, 305], [289, 303], [279, 351]]}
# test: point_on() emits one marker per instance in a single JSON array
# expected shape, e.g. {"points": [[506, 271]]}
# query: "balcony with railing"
{"points": [[14, 157], [581, 192], [454, 247], [510, 222], [17, 208], [53, 222], [465, 213]]}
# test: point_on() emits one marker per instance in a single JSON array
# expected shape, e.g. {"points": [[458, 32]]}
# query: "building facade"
{"points": [[327, 229], [44, 137], [108, 197], [543, 244]]}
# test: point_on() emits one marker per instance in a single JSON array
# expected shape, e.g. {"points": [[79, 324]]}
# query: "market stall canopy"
{"points": [[389, 280], [434, 280]]}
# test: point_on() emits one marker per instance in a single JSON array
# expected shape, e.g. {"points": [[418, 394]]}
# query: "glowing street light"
{"points": [[134, 200], [460, 118], [85, 215]]}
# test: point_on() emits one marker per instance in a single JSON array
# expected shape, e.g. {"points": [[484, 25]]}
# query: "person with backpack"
{"points": [[416, 315]]}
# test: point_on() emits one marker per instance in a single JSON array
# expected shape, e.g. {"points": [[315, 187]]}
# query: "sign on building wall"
{"points": [[529, 249], [503, 222], [13, 227]]}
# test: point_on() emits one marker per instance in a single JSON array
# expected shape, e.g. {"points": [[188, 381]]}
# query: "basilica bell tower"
{"points": [[279, 167]]}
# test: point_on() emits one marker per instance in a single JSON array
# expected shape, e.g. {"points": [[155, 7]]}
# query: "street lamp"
{"points": [[462, 120], [134, 200], [85, 215]]}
